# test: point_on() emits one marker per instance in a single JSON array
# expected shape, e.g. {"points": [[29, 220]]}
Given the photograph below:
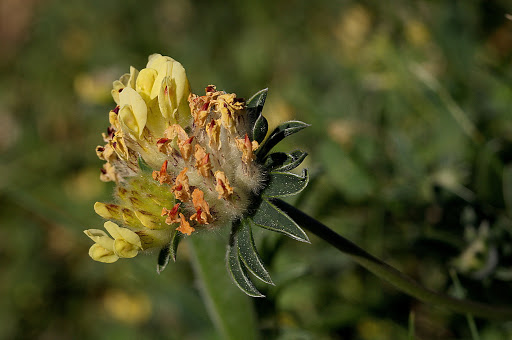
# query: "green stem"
{"points": [[390, 274], [231, 311]]}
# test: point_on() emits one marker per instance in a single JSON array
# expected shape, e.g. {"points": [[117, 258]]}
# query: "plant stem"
{"points": [[390, 274]]}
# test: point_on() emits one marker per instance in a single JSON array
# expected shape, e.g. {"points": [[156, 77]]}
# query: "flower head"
{"points": [[186, 163]]}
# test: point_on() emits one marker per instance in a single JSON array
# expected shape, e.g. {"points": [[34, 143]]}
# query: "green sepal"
{"points": [[282, 131], [163, 258], [237, 270], [283, 184], [270, 217], [175, 241], [280, 161], [143, 166], [249, 254]]}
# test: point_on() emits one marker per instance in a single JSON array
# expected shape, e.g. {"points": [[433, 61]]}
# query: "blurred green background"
{"points": [[410, 104]]}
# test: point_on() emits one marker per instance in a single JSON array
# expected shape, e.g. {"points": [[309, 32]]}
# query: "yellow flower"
{"points": [[125, 243]]}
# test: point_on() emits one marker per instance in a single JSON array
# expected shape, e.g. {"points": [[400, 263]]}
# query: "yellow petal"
{"points": [[166, 99], [134, 112], [100, 254], [152, 60], [119, 233], [149, 220], [134, 73], [145, 82], [163, 67], [108, 211], [125, 249], [116, 86], [101, 238], [180, 79]]}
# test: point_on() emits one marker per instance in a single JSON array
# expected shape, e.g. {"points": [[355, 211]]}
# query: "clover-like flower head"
{"points": [[186, 163]]}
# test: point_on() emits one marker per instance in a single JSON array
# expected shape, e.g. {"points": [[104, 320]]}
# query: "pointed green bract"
{"points": [[163, 259], [282, 131], [238, 272], [256, 120], [175, 241], [270, 217], [260, 129], [257, 101], [249, 254], [283, 184], [280, 161], [143, 166]]}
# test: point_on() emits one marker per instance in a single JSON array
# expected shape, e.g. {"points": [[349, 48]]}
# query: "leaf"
{"points": [[280, 161], [260, 129], [237, 270], [270, 217], [256, 120], [163, 258], [143, 166], [249, 254], [231, 311], [256, 102], [283, 184], [282, 131]]}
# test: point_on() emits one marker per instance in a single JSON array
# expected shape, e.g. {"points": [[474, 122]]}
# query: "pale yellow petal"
{"points": [[163, 66], [108, 211], [166, 100], [152, 59], [100, 254], [101, 238], [134, 112], [145, 82], [125, 249], [182, 87], [134, 73], [122, 233]]}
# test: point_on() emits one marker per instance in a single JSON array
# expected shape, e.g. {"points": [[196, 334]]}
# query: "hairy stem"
{"points": [[390, 274]]}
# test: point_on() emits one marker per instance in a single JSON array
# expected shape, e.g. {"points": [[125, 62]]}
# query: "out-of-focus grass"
{"points": [[390, 90]]}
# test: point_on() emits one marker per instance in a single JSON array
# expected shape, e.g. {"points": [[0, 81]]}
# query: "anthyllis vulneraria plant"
{"points": [[186, 164]]}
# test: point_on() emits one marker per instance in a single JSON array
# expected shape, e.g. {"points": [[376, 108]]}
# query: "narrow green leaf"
{"points": [[283, 184], [411, 333], [249, 254], [163, 258], [280, 161], [231, 311], [270, 217], [175, 241], [282, 131], [238, 272], [507, 187], [260, 129], [143, 166]]}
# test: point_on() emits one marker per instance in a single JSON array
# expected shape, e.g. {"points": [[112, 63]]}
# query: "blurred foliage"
{"points": [[411, 146]]}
